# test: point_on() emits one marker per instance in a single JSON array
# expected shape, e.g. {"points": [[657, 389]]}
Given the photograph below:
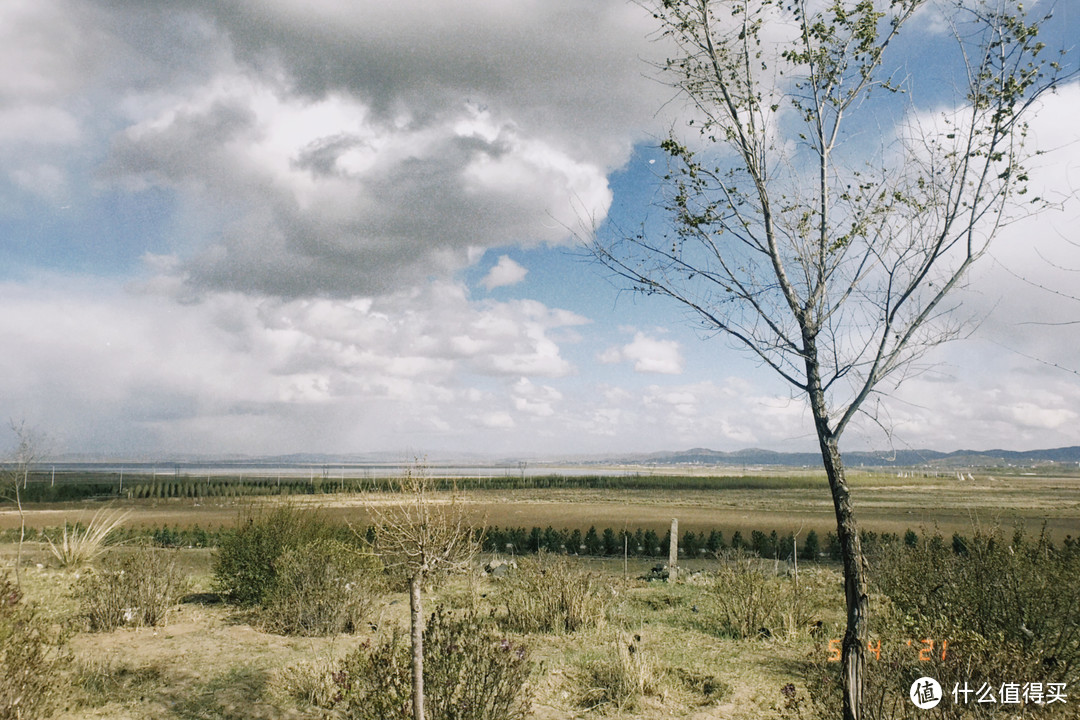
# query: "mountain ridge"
{"points": [[691, 456]]}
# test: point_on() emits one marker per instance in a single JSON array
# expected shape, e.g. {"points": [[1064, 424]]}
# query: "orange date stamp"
{"points": [[927, 648]]}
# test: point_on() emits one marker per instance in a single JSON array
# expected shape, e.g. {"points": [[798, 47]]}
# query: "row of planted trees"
{"points": [[43, 487], [648, 543], [640, 543]]}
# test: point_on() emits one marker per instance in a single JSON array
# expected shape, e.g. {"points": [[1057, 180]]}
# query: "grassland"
{"points": [[213, 662], [786, 503]]}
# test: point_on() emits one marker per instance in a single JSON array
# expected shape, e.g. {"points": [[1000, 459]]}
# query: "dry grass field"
{"points": [[687, 658], [211, 661], [883, 503]]}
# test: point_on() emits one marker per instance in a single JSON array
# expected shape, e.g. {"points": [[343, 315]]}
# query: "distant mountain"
{"points": [[693, 456], [899, 458]]}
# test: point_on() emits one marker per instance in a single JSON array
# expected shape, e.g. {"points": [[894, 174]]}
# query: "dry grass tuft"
{"points": [[308, 682], [80, 546], [622, 676], [551, 594]]}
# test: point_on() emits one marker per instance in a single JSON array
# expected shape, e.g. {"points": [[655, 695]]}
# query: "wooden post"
{"points": [[673, 551], [625, 552], [795, 557]]}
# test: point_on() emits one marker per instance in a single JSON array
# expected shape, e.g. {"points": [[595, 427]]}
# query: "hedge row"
{"points": [[648, 543], [82, 486], [592, 542]]}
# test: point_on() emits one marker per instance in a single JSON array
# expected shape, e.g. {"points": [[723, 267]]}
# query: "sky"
{"points": [[269, 227]]}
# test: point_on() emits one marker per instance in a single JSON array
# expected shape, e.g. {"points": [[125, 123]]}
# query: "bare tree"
{"points": [[424, 538], [801, 230], [28, 450]]}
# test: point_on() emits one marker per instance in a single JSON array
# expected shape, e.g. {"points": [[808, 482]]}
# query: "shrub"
{"points": [[471, 672], [592, 543], [745, 596], [321, 588], [550, 594], [138, 589], [30, 658], [1022, 593], [613, 544], [475, 672], [651, 543], [1010, 612], [619, 678], [375, 680], [245, 563]]}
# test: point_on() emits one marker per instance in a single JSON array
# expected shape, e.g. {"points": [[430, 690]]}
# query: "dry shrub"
{"points": [[1009, 609], [31, 656], [551, 594], [745, 597], [137, 589], [471, 672], [245, 565], [620, 677], [321, 588], [476, 672], [375, 680]]}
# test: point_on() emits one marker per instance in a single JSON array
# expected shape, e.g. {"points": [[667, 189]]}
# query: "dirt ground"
{"points": [[210, 662]]}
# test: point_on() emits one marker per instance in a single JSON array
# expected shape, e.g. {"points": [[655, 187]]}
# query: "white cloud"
{"points": [[326, 168], [47, 47], [649, 355], [1029, 415], [496, 421], [36, 124], [504, 273], [532, 399], [1023, 294], [727, 415], [45, 180], [156, 368]]}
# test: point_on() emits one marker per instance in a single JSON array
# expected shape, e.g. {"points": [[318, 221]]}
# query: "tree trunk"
{"points": [[416, 610], [857, 632], [22, 536], [855, 637]]}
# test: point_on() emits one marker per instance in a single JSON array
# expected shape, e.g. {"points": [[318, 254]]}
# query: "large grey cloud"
{"points": [[354, 148], [572, 68]]}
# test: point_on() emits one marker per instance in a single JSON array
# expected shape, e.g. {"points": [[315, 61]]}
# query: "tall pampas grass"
{"points": [[79, 546]]}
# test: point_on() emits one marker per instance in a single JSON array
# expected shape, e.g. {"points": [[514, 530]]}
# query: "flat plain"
{"points": [[214, 661], [782, 501]]}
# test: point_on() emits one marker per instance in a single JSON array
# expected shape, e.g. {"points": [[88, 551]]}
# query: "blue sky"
{"points": [[245, 227]]}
